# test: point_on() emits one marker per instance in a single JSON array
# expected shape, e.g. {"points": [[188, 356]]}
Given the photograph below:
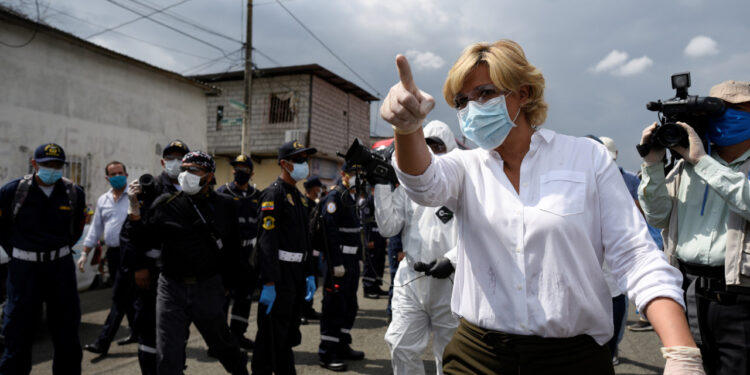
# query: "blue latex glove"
{"points": [[310, 288], [267, 296]]}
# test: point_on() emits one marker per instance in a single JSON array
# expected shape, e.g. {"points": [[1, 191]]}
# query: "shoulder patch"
{"points": [[290, 199], [65, 208], [331, 207], [266, 206], [269, 222]]}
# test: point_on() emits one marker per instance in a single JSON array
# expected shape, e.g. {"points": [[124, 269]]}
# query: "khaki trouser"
{"points": [[474, 350]]}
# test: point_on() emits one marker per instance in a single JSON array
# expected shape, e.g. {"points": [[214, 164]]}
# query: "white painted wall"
{"points": [[97, 107]]}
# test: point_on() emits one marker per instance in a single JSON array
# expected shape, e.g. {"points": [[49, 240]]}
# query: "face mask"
{"points": [[352, 181], [48, 175], [118, 182], [731, 128], [299, 172], [487, 124], [172, 167], [241, 178], [190, 183]]}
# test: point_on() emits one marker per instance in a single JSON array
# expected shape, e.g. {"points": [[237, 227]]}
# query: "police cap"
{"points": [[292, 148], [49, 152]]}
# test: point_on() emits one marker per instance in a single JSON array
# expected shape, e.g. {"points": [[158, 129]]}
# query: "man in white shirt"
{"points": [[111, 212]]}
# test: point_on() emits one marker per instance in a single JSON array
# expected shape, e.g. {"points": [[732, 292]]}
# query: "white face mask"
{"points": [[172, 167], [191, 184], [352, 181]]}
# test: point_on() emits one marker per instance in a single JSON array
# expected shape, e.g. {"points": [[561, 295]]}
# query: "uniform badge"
{"points": [[65, 208], [269, 222], [444, 214], [304, 202], [290, 199], [266, 206], [331, 207]]}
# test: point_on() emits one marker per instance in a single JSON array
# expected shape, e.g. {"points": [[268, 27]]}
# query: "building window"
{"points": [[219, 116], [281, 108]]}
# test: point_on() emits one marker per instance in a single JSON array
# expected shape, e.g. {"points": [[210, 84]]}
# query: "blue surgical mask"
{"points": [[118, 182], [487, 124], [731, 128], [300, 171], [49, 175]]}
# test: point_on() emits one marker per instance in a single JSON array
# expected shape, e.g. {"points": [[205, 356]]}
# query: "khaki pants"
{"points": [[474, 350]]}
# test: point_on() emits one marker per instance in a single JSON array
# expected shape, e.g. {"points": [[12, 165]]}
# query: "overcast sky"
{"points": [[602, 60]]}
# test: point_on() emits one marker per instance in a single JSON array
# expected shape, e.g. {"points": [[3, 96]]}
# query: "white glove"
{"points": [[654, 155], [406, 106], [134, 188], [339, 271], [82, 260], [683, 360], [695, 150]]}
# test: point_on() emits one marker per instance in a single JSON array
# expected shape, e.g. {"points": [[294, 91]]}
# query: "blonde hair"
{"points": [[509, 70]]}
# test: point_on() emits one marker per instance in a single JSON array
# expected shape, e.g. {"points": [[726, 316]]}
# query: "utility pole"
{"points": [[248, 92]]}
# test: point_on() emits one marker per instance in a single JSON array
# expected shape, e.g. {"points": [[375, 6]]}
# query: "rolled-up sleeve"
{"points": [[633, 258], [438, 184]]}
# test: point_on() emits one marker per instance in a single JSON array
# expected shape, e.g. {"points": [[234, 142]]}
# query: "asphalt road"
{"points": [[639, 351]]}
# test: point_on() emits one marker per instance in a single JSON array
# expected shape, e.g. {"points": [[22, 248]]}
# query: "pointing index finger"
{"points": [[404, 73]]}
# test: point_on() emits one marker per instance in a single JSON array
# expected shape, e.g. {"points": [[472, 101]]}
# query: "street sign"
{"points": [[237, 105]]}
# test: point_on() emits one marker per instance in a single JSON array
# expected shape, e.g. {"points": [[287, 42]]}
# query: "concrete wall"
{"points": [[97, 107]]}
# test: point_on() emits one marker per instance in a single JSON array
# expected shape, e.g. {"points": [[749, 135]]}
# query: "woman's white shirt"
{"points": [[530, 263]]}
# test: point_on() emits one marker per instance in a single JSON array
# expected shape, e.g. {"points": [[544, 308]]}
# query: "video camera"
{"points": [[148, 187], [376, 166], [691, 109]]}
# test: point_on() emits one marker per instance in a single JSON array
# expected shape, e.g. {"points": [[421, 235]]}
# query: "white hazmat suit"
{"points": [[420, 305]]}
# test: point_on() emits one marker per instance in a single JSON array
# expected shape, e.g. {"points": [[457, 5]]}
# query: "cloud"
{"points": [[634, 66], [613, 60], [424, 60], [701, 46]]}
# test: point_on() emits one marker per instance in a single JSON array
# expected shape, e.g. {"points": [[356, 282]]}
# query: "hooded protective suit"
{"points": [[420, 304]]}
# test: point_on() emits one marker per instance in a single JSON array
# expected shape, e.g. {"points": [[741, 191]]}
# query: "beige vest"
{"points": [[737, 258]]}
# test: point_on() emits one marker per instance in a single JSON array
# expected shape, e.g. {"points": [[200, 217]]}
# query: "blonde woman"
{"points": [[538, 213]]}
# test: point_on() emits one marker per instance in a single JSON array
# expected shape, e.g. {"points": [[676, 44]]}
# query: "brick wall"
{"points": [[337, 118]]}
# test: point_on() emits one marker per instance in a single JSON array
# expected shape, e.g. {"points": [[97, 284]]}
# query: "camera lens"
{"points": [[670, 135]]}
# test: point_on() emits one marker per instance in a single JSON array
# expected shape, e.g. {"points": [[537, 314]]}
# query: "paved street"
{"points": [[639, 353]]}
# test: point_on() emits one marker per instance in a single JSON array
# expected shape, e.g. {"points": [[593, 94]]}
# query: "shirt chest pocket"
{"points": [[562, 192]]}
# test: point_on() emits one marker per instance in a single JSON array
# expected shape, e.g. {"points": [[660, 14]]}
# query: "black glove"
{"points": [[440, 268]]}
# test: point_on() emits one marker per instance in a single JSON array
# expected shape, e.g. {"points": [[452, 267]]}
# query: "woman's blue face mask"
{"points": [[487, 124], [731, 128]]}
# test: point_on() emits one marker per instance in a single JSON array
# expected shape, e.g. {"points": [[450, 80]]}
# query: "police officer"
{"points": [[343, 239], [246, 197], [284, 263], [141, 253], [41, 217], [313, 190], [199, 237]]}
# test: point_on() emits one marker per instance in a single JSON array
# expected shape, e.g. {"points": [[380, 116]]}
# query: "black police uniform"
{"points": [[343, 234], [374, 266], [142, 251], [284, 258], [41, 269], [247, 213]]}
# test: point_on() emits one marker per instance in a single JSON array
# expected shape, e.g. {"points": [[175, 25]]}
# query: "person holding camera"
{"points": [[421, 296], [111, 213], [141, 254], [702, 207], [343, 230], [532, 207]]}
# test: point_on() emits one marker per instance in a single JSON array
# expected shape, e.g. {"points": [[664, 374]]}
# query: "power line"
{"points": [[190, 22], [327, 48], [129, 36], [210, 62], [134, 20], [170, 27], [266, 56], [33, 35]]}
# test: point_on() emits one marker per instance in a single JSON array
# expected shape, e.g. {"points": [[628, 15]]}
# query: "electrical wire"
{"points": [[328, 48], [210, 62], [128, 36], [134, 20], [170, 27], [33, 35]]}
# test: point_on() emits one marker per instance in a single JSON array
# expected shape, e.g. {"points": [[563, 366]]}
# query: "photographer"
{"points": [[702, 207], [420, 304]]}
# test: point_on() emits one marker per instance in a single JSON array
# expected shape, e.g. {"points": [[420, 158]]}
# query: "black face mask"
{"points": [[241, 177]]}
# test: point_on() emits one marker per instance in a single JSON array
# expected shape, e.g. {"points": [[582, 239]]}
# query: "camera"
{"points": [[376, 166], [691, 109], [148, 187]]}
